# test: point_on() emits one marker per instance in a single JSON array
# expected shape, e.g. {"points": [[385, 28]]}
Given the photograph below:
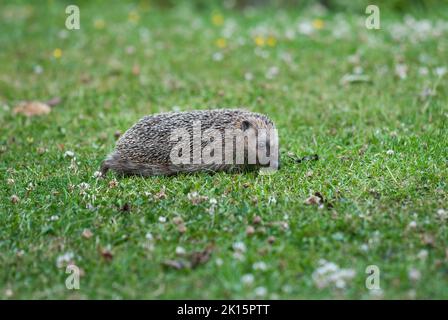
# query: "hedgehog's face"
{"points": [[266, 141]]}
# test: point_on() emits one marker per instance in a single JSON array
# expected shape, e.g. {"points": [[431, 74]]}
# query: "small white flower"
{"points": [[84, 186], [329, 273], [219, 262], [390, 152], [180, 251], [239, 247], [364, 247], [38, 69], [423, 254], [260, 266], [272, 72], [247, 279], [272, 200], [442, 213], [54, 218], [423, 71], [401, 70], [69, 154], [440, 71], [248, 76], [412, 225], [213, 201], [149, 236], [305, 28], [261, 291], [414, 274], [217, 56], [97, 174], [162, 219], [64, 259]]}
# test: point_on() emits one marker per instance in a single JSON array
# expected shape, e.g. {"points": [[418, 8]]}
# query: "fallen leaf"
{"points": [[54, 101], [126, 207], [86, 233], [106, 254], [33, 108], [160, 195], [182, 228], [176, 264], [178, 220], [15, 199], [201, 257], [354, 78], [256, 220], [250, 230], [314, 199]]}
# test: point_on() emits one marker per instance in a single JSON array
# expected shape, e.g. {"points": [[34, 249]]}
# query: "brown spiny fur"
{"points": [[145, 148]]}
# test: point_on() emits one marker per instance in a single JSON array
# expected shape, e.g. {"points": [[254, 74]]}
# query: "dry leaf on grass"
{"points": [[315, 199], [32, 108], [106, 254], [195, 259]]}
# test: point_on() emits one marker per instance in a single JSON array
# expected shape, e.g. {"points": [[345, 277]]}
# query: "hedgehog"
{"points": [[193, 141]]}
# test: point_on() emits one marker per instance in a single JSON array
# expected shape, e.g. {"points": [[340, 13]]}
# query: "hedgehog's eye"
{"points": [[245, 125]]}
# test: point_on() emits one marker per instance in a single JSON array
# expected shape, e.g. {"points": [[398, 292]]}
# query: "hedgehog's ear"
{"points": [[245, 125]]}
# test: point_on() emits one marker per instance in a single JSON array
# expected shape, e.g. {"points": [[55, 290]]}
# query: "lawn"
{"points": [[372, 104]]}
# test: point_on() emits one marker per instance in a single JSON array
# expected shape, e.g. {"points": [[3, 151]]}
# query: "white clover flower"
{"points": [[97, 174], [401, 70], [412, 225], [440, 71], [69, 154], [442, 213], [162, 219], [239, 247], [149, 236], [414, 274], [180, 251], [329, 274], [423, 254], [219, 262], [305, 28], [84, 186], [261, 291], [248, 76], [217, 56], [247, 279], [272, 72], [259, 266], [64, 259]]}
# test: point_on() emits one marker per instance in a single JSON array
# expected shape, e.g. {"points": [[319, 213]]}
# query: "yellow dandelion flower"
{"points": [[259, 41], [57, 53], [271, 41], [217, 19], [221, 43], [318, 24], [134, 17], [99, 24]]}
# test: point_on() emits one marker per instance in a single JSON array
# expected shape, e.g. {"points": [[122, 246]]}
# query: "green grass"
{"points": [[371, 195]]}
